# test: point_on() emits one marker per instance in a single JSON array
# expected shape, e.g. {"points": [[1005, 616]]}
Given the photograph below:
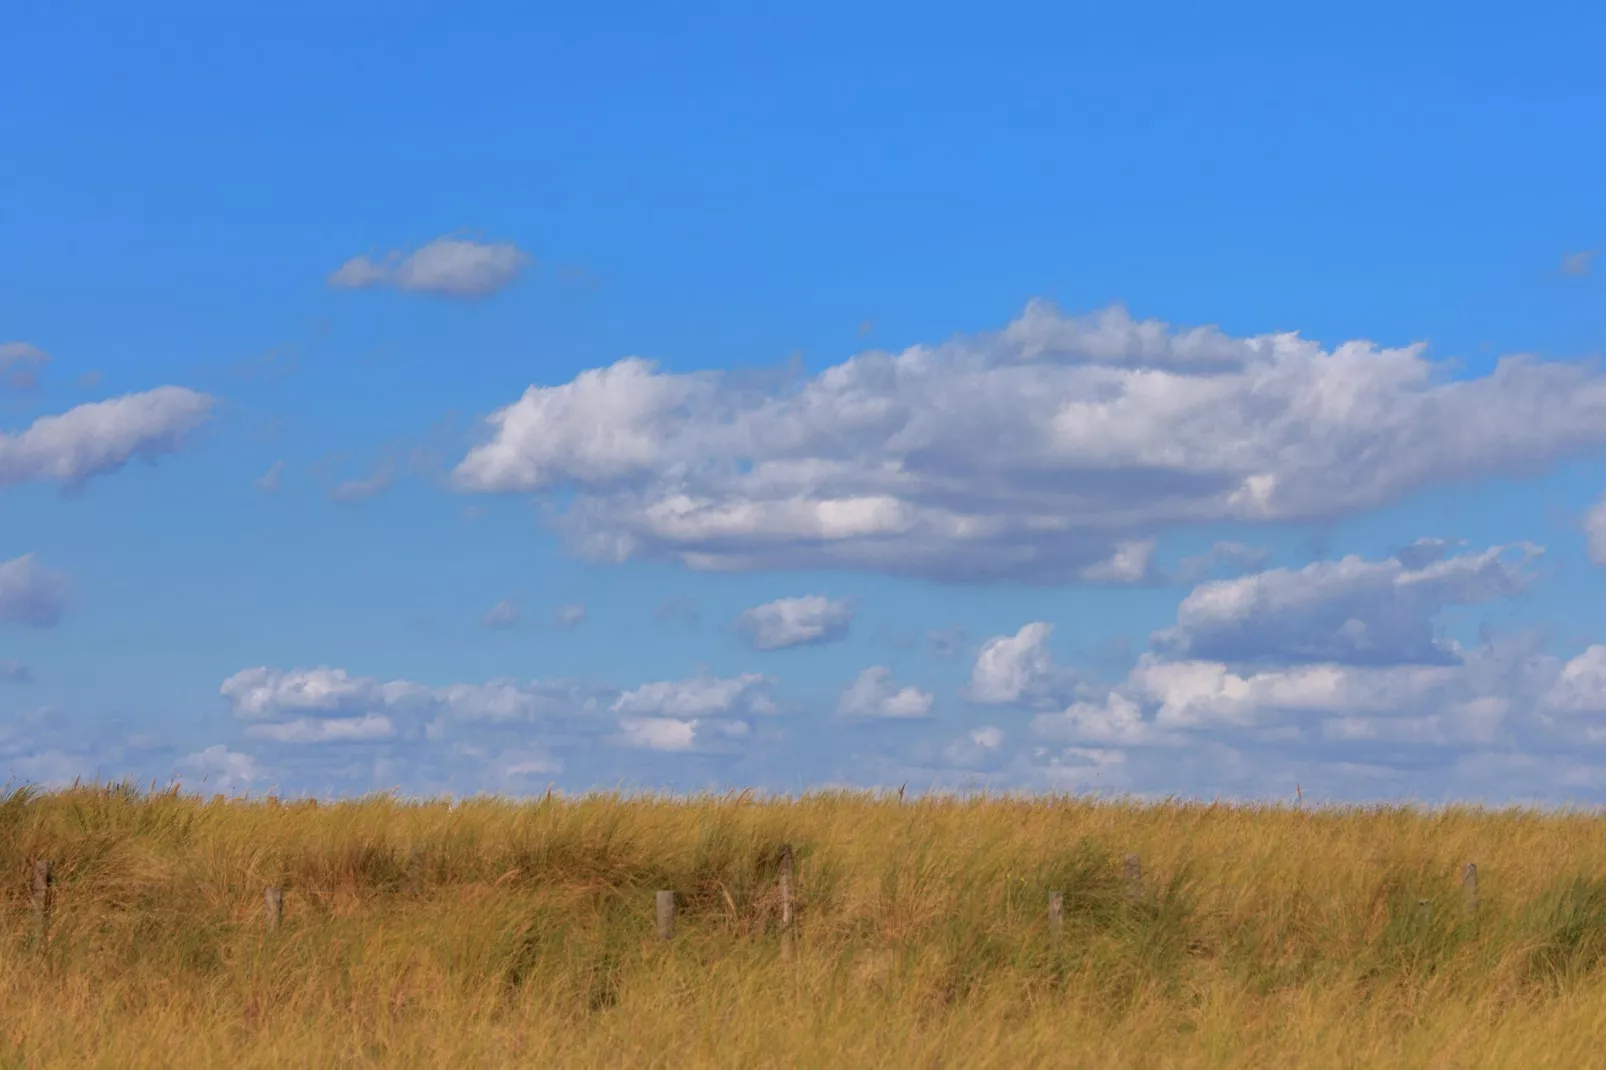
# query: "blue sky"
{"points": [[1130, 398]]}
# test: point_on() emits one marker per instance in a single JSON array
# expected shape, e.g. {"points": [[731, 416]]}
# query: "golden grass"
{"points": [[494, 933]]}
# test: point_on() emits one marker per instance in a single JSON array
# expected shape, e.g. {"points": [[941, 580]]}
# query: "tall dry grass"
{"points": [[499, 934]]}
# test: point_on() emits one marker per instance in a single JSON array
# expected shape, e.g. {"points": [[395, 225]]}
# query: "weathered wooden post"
{"points": [[786, 902], [43, 894], [1133, 872], [1469, 888], [1056, 915], [273, 907], [666, 915]]}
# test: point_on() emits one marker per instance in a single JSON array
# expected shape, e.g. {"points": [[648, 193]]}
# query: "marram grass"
{"points": [[492, 933]]}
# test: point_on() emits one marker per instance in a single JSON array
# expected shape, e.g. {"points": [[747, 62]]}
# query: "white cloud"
{"points": [[980, 747], [1052, 450], [1018, 669], [447, 267], [20, 364], [569, 616], [1117, 721], [1595, 530], [102, 436], [221, 769], [502, 615], [1508, 694], [273, 695], [265, 694], [659, 733], [365, 729], [1352, 611], [795, 621], [700, 696], [609, 423], [30, 593], [51, 770], [1131, 562], [873, 694], [1580, 686], [508, 767]]}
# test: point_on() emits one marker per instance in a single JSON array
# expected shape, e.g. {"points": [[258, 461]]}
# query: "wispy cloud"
{"points": [[445, 267], [503, 615], [1577, 265], [269, 480], [20, 364], [356, 490]]}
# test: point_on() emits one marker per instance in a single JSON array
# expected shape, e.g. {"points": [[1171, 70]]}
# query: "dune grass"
{"points": [[491, 933]]}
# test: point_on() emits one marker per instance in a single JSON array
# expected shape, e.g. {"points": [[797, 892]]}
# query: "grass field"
{"points": [[493, 933]]}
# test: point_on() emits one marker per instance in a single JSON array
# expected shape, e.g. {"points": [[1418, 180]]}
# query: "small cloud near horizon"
{"points": [[445, 267], [1577, 265]]}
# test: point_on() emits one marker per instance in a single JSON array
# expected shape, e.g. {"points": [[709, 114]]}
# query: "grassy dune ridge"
{"points": [[496, 933]]}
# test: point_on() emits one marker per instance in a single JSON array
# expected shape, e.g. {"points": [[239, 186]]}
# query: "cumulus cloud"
{"points": [[102, 436], [221, 769], [1019, 670], [1130, 562], [20, 364], [30, 593], [446, 267], [1510, 695], [1053, 450], [1350, 611], [1580, 686], [785, 622], [873, 694], [1338, 651], [700, 713], [1595, 531], [700, 696]]}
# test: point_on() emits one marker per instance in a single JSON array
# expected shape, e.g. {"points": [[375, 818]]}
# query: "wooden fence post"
{"points": [[786, 902], [273, 907], [1056, 914], [43, 894], [666, 915], [1469, 888], [1133, 873]]}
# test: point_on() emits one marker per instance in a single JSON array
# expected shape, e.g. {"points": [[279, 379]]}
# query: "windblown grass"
{"points": [[491, 933]]}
